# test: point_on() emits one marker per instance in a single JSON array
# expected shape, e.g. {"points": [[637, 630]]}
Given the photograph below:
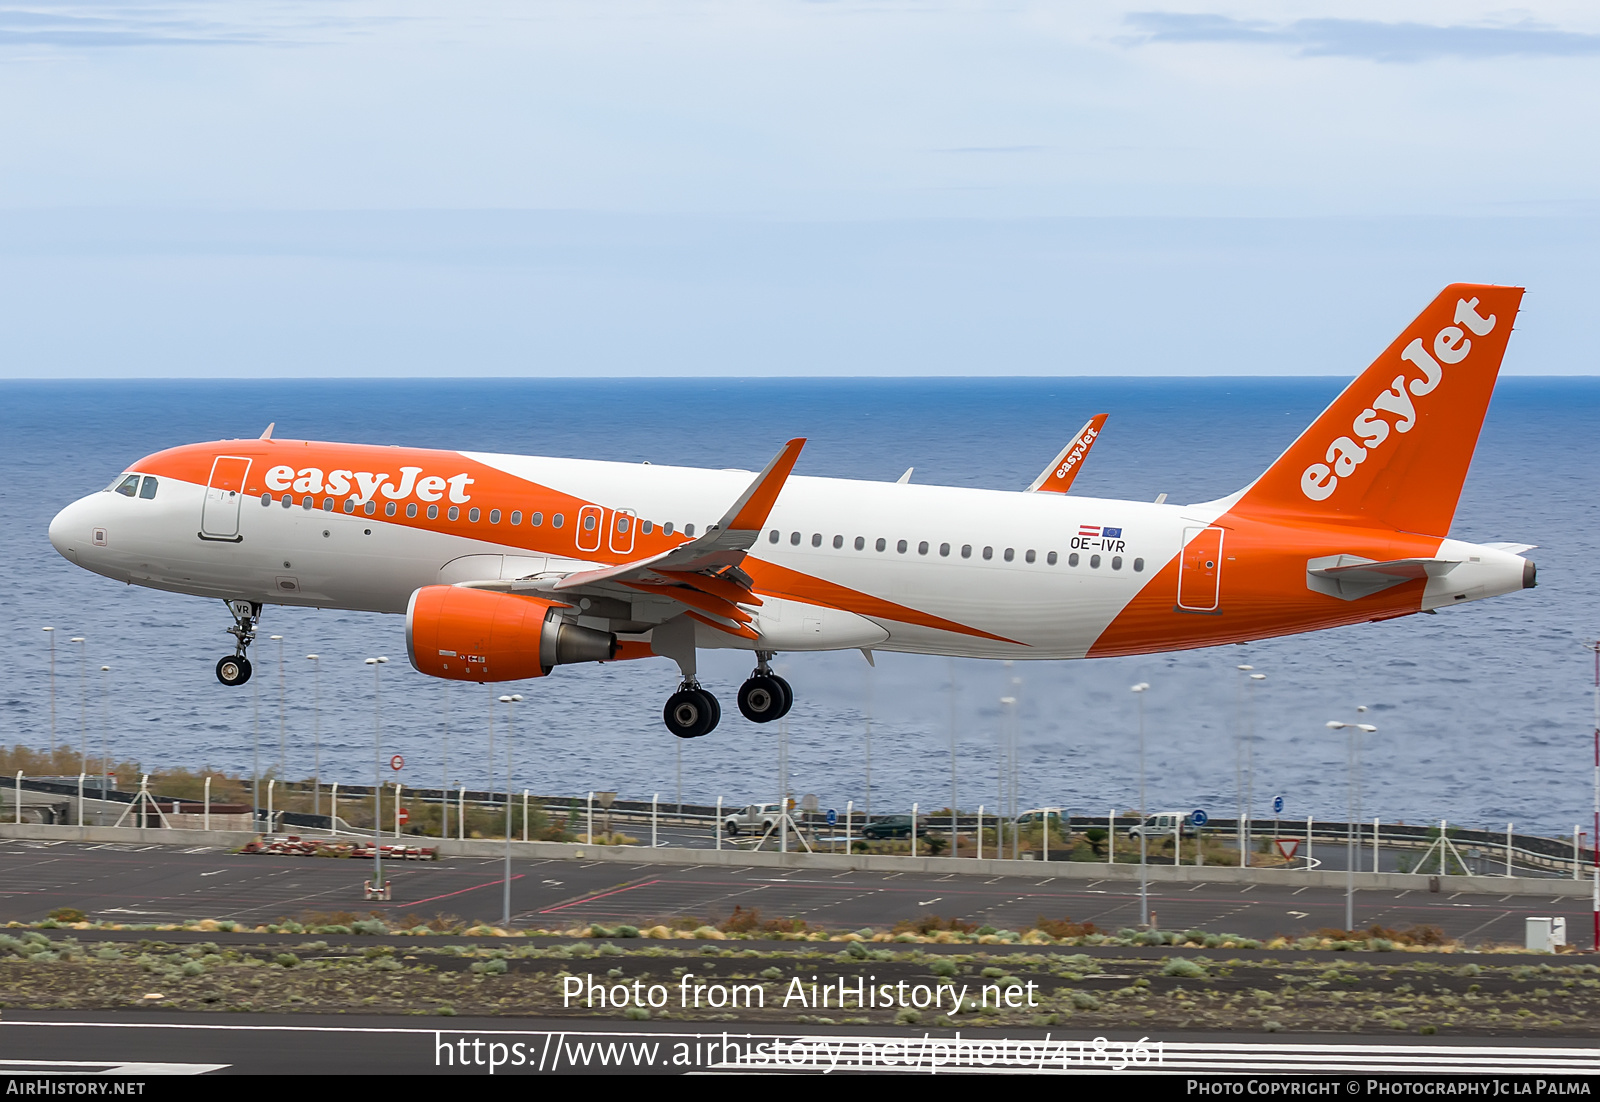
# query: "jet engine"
{"points": [[479, 635]]}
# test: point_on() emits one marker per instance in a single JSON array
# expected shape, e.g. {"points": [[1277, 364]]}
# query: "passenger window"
{"points": [[369, 508], [327, 505], [838, 542], [389, 509], [1031, 555], [1050, 558], [881, 544], [411, 509], [516, 516], [901, 547], [1094, 562], [494, 516], [147, 490], [646, 527], [966, 550], [1072, 559], [454, 513], [129, 486], [794, 539], [816, 539], [588, 522], [1010, 554], [988, 553], [1138, 564], [861, 543], [536, 520], [666, 529], [473, 514], [433, 512], [1116, 562], [944, 550], [308, 503], [922, 548], [349, 504], [266, 499], [557, 520], [772, 537], [688, 530], [288, 500]]}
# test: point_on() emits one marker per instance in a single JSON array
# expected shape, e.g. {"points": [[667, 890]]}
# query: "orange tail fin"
{"points": [[1393, 449]]}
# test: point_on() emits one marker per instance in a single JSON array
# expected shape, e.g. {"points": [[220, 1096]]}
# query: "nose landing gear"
{"points": [[765, 696], [235, 669], [691, 711]]}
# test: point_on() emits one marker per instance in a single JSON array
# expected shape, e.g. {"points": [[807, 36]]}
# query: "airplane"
{"points": [[506, 566]]}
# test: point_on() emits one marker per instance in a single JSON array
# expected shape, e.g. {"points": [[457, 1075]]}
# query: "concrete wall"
{"points": [[1060, 870]]}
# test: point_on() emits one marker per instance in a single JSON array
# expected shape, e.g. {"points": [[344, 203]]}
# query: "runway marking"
{"points": [[931, 902], [1197, 887], [219, 872], [104, 1067], [463, 891], [1298, 914], [597, 895], [1297, 891], [1248, 888]]}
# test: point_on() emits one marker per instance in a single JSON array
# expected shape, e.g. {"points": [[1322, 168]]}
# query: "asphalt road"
{"points": [[149, 883]]}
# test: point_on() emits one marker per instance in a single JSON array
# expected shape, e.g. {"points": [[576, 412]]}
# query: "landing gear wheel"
{"points": [[233, 670], [788, 696], [691, 712], [762, 698]]}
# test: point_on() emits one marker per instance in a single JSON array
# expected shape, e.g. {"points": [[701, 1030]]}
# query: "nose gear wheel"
{"points": [[235, 669]]}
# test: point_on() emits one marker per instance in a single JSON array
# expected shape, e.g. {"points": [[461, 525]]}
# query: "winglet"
{"points": [[267, 432], [1057, 477], [749, 513]]}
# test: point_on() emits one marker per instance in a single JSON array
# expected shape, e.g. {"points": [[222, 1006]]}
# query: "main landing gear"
{"points": [[691, 711], [764, 696], [235, 668]]}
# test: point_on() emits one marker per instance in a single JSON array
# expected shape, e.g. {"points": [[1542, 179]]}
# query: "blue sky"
{"points": [[772, 187]]}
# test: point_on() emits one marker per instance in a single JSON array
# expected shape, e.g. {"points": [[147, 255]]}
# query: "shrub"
{"points": [[68, 914], [929, 924], [1183, 968], [1063, 927], [742, 921]]}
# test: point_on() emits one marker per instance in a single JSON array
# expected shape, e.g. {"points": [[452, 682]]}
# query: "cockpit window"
{"points": [[129, 487], [148, 489]]}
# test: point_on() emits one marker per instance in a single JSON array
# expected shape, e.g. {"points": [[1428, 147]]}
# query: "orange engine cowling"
{"points": [[478, 635]]}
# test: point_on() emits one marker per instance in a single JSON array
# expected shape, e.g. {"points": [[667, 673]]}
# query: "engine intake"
{"points": [[478, 635]]}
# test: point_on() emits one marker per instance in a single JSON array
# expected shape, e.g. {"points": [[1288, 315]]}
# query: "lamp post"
{"points": [[1144, 868], [83, 705], [511, 703], [1244, 777], [316, 733], [105, 741], [444, 775], [283, 748], [1595, 890], [1002, 745], [51, 632], [1352, 751], [377, 665], [954, 837]]}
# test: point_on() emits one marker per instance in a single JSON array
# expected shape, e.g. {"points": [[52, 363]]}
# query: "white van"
{"points": [[1162, 824]]}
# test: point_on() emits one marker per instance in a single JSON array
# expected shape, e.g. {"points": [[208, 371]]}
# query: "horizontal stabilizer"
{"points": [[1351, 577]]}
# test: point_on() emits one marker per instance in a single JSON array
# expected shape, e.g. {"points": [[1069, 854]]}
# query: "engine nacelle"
{"points": [[479, 635]]}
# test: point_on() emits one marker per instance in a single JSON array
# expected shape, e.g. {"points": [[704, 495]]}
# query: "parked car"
{"points": [[754, 819], [894, 826], [1037, 815], [1162, 824]]}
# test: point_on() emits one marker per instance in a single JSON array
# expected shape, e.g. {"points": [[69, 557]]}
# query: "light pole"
{"points": [[283, 763], [867, 811], [1352, 750], [83, 705], [1144, 869], [51, 632], [105, 741], [1244, 777], [1595, 890], [444, 776], [954, 838], [1002, 745], [316, 733], [255, 750], [511, 703], [377, 665]]}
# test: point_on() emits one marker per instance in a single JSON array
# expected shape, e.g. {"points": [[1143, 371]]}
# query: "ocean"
{"points": [[1484, 712]]}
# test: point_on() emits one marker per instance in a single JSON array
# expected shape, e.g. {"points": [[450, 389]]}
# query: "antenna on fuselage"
{"points": [[266, 433]]}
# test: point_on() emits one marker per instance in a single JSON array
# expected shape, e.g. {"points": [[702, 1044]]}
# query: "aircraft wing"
{"points": [[1057, 477], [703, 573]]}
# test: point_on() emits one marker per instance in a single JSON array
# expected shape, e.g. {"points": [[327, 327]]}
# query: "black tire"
{"points": [[762, 698], [716, 711], [690, 713], [788, 696], [731, 829], [233, 670]]}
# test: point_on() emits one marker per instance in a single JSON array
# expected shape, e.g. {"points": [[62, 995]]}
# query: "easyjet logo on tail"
{"points": [[310, 480], [1080, 448], [1370, 428]]}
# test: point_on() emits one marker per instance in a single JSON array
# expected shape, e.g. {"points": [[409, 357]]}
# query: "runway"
{"points": [[136, 884]]}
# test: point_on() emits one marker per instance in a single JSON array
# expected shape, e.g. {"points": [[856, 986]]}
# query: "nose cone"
{"points": [[71, 530]]}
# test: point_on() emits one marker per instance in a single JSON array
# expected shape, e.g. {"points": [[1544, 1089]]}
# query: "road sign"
{"points": [[1198, 817], [1288, 847], [405, 816], [397, 763], [1277, 805], [833, 816]]}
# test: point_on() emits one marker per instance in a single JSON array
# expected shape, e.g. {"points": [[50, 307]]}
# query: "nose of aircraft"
{"points": [[71, 530]]}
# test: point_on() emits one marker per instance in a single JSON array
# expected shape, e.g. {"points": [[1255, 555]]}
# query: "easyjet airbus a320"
{"points": [[506, 566]]}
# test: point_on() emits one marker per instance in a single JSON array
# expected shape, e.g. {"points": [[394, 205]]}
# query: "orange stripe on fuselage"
{"points": [[780, 581], [1263, 588], [489, 489]]}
